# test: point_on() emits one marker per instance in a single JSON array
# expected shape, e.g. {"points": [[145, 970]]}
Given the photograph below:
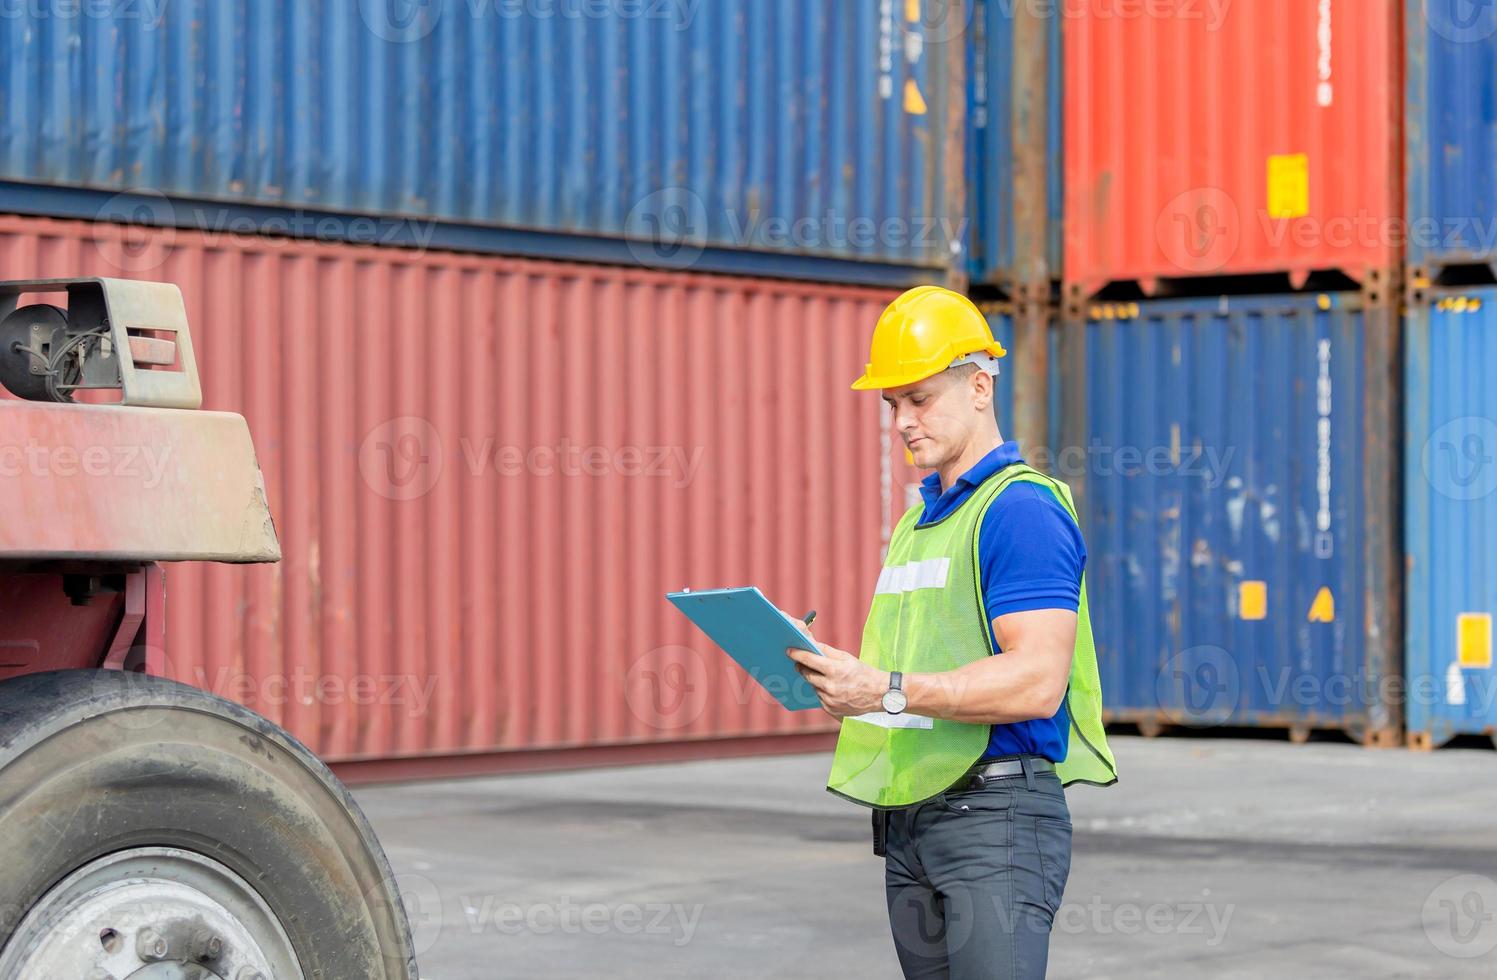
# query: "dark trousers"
{"points": [[974, 879]]}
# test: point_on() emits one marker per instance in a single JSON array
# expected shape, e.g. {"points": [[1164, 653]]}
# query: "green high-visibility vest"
{"points": [[928, 616]]}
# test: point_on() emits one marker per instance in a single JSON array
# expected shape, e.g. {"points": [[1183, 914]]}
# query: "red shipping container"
{"points": [[485, 475], [1214, 138]]}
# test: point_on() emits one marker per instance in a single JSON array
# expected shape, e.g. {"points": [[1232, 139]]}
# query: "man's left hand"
{"points": [[845, 685]]}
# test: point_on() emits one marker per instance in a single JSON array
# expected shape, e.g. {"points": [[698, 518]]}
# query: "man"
{"points": [[963, 754]]}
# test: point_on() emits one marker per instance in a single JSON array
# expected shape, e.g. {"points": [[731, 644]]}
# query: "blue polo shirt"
{"points": [[1031, 556]]}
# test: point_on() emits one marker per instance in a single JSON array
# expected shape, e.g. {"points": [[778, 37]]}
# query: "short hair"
{"points": [[964, 371]]}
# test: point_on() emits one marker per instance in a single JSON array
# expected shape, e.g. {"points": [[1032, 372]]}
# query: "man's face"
{"points": [[937, 417]]}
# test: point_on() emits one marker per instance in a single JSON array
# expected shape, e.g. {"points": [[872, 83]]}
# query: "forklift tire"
{"points": [[151, 828]]}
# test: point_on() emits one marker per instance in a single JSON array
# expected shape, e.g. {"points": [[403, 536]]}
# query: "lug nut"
{"points": [[206, 946], [150, 945]]}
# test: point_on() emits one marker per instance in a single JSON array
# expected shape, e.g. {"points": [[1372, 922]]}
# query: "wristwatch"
{"points": [[894, 698]]}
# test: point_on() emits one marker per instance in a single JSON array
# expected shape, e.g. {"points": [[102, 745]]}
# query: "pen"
{"points": [[808, 617]]}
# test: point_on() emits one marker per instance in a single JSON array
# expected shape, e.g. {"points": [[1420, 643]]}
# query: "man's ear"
{"points": [[982, 390]]}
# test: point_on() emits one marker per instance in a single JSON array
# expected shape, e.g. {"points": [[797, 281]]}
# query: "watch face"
{"points": [[894, 701]]}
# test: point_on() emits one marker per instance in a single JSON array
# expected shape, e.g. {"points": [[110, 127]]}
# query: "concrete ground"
{"points": [[1219, 858]]}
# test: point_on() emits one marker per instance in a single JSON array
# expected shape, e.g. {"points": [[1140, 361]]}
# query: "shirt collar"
{"points": [[1004, 455]]}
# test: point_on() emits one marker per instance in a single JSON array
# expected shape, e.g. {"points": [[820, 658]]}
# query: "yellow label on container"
{"points": [[912, 11], [1288, 185], [1473, 633], [914, 102], [1252, 600], [1323, 609]]}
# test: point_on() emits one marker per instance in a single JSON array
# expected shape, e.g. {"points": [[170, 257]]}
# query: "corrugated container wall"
{"points": [[479, 532], [1014, 149], [1225, 515], [1230, 139], [1450, 525], [1452, 134], [808, 128]]}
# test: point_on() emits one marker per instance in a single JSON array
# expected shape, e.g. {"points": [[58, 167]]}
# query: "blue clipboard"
{"points": [[753, 632]]}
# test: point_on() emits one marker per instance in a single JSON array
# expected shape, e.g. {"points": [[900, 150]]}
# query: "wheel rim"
{"points": [[151, 913]]}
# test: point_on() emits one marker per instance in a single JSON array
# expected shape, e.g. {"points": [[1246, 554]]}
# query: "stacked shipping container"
{"points": [[493, 610], [1452, 136], [1221, 458], [1014, 150], [1451, 516], [749, 137], [1229, 140], [787, 138], [1450, 434], [803, 141], [486, 473], [807, 140], [1235, 456]]}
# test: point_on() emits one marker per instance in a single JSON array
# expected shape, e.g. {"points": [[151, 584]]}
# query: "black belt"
{"points": [[975, 778], [980, 775]]}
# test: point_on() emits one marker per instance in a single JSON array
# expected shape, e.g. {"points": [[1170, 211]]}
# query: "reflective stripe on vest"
{"points": [[928, 616]]}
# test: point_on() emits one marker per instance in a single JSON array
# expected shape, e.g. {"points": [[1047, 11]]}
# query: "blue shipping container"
{"points": [[1027, 371], [1001, 322], [1450, 521], [1039, 373], [1451, 129], [761, 127], [1001, 168], [1220, 458]]}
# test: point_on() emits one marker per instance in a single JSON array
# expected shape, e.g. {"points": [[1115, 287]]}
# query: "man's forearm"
{"points": [[997, 690]]}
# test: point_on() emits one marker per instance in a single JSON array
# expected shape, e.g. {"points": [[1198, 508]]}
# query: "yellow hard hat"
{"points": [[921, 334]]}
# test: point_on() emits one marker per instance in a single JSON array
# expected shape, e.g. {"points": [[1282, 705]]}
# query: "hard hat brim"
{"points": [[871, 383]]}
